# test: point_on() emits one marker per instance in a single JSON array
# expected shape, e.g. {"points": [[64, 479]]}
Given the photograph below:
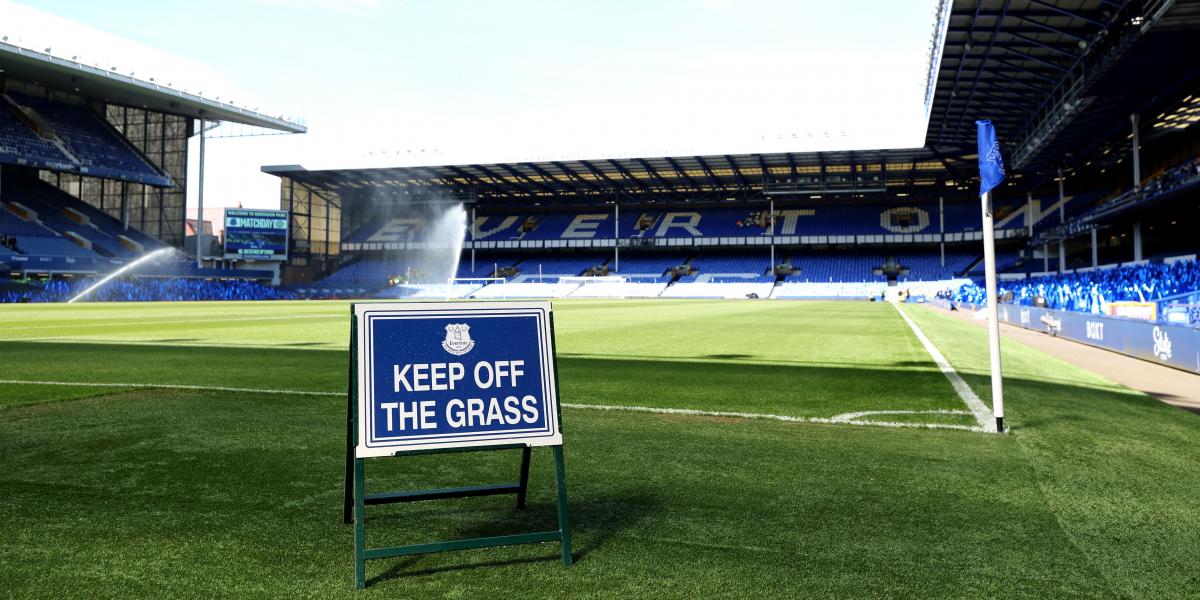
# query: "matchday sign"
{"points": [[256, 234], [451, 375]]}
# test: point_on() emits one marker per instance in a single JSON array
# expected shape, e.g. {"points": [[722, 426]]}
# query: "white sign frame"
{"points": [[365, 313]]}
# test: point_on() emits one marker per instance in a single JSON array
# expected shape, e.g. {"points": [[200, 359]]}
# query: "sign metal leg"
{"points": [[564, 519], [360, 542], [523, 482]]}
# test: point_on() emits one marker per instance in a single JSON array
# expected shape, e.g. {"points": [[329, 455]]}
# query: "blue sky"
{"points": [[426, 82]]}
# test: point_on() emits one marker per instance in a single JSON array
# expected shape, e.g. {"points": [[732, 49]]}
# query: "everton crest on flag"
{"points": [[991, 165]]}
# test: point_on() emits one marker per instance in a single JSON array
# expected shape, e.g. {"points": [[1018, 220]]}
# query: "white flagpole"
{"points": [[989, 263]]}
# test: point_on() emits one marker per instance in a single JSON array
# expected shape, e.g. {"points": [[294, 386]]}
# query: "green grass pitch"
{"points": [[115, 491]]}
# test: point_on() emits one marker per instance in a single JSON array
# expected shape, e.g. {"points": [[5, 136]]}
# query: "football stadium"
{"points": [[965, 369]]}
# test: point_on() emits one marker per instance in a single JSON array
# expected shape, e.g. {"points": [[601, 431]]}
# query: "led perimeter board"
{"points": [[256, 234]]}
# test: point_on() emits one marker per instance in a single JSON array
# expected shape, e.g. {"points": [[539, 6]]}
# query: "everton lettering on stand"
{"points": [[451, 377], [454, 375]]}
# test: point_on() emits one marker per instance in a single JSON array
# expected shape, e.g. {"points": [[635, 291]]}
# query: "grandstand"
{"points": [[1094, 101], [93, 175]]}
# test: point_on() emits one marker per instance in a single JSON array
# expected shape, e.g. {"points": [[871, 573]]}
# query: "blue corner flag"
{"points": [[991, 166]]}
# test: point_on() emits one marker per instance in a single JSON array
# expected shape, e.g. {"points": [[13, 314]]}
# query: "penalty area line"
{"points": [[983, 415]]}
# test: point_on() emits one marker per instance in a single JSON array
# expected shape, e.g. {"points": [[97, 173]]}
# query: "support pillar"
{"points": [[125, 206], [1095, 252], [1045, 258], [616, 237], [942, 228], [771, 224], [1137, 241], [1062, 244], [471, 231], [1137, 153], [1029, 216], [200, 203]]}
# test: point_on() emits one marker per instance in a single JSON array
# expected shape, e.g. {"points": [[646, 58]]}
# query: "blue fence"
{"points": [[1172, 345]]}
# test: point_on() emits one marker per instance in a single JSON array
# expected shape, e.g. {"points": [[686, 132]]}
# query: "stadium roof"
{"points": [[849, 174], [1056, 76], [115, 88]]}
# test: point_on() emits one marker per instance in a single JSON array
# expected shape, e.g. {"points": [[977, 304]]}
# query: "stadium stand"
{"points": [[71, 137], [1090, 290], [147, 290], [359, 277], [61, 213], [649, 268], [551, 267], [734, 268], [485, 265]]}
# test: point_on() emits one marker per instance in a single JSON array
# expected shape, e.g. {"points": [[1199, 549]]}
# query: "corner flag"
{"points": [[991, 173], [991, 165]]}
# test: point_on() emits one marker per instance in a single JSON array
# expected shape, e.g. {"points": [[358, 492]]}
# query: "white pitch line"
{"points": [[838, 420], [854, 416], [769, 417], [983, 415], [171, 386]]}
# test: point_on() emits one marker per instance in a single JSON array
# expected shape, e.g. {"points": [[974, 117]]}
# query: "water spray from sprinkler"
{"points": [[118, 272]]}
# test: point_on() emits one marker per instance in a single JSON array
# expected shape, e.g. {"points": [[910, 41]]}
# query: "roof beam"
{"points": [[473, 180], [716, 181], [1036, 59], [646, 165], [737, 173], [1050, 28], [1020, 69], [962, 59], [1068, 13], [600, 174], [570, 173], [523, 177], [627, 175], [497, 177], [1044, 45], [986, 54], [563, 188], [683, 174]]}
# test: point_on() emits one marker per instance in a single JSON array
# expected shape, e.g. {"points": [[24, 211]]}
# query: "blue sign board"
{"points": [[452, 375]]}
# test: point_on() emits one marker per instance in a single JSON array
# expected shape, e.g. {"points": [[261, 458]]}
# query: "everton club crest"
{"points": [[458, 339]]}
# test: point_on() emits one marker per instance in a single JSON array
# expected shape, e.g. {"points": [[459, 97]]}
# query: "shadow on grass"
{"points": [[594, 522]]}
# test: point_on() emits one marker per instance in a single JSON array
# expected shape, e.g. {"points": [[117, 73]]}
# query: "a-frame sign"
{"points": [[439, 377]]}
